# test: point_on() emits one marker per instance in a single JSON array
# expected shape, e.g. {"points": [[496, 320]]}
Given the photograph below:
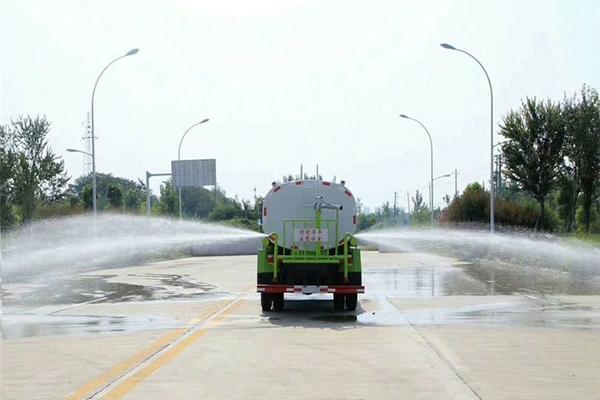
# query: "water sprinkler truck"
{"points": [[310, 247]]}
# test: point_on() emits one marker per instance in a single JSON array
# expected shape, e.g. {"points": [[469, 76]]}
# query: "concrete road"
{"points": [[428, 327]]}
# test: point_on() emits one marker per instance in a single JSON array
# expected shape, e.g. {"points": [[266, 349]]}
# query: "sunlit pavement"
{"points": [[428, 327]]}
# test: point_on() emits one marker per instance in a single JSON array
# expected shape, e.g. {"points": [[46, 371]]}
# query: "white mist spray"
{"points": [[73, 244]]}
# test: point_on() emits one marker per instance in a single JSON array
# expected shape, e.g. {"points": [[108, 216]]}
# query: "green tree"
{"points": [[471, 206], [566, 200], [86, 197], [197, 202], [417, 201], [8, 161], [447, 200], [225, 211], [132, 200], [533, 153], [421, 214], [38, 174], [103, 183], [365, 221], [384, 214], [115, 197], [169, 199], [582, 117]]}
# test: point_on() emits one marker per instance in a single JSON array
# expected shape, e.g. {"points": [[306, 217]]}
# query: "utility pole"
{"points": [[148, 205], [395, 209], [408, 205], [499, 173], [87, 146], [430, 199], [455, 183]]}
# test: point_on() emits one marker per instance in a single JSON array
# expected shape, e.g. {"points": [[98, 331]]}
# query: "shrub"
{"points": [[473, 206]]}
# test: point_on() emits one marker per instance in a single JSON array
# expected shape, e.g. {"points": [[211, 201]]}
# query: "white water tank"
{"points": [[296, 200]]}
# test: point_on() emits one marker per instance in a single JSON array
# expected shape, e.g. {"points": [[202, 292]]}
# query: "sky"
{"points": [[292, 82]]}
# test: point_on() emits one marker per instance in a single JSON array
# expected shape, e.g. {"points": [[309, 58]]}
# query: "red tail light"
{"points": [[264, 211], [354, 219]]}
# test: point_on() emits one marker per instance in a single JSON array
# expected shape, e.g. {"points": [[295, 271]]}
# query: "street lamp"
{"points": [[439, 177], [179, 155], [492, 208], [431, 148], [442, 176], [79, 151], [93, 154]]}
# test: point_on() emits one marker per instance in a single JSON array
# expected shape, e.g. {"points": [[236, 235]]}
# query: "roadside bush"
{"points": [[421, 217], [365, 221], [523, 212], [473, 206], [225, 211], [59, 209]]}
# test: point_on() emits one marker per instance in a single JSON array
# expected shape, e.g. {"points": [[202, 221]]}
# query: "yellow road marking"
{"points": [[137, 378], [130, 383], [94, 385], [104, 379]]}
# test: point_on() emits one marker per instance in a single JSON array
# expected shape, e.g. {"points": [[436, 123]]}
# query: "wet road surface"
{"points": [[428, 327]]}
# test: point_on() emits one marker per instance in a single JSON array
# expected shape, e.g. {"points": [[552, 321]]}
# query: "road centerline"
{"points": [[95, 386], [126, 382]]}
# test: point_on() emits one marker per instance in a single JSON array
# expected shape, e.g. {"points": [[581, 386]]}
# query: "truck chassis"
{"points": [[342, 295]]}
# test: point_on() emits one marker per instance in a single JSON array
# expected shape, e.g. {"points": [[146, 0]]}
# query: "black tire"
{"points": [[351, 301], [338, 302], [278, 301], [265, 301]]}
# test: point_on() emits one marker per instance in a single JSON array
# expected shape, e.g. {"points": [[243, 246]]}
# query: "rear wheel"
{"points": [[351, 301], [265, 301], [338, 302], [278, 301]]}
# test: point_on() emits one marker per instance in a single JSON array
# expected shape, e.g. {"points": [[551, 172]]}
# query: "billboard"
{"points": [[194, 173]]}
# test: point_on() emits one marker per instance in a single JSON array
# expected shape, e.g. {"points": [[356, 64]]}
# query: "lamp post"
{"points": [[79, 151], [93, 155], [492, 208], [431, 149], [440, 177], [179, 155]]}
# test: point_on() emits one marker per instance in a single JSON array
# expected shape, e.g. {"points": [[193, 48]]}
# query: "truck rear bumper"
{"points": [[267, 288]]}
